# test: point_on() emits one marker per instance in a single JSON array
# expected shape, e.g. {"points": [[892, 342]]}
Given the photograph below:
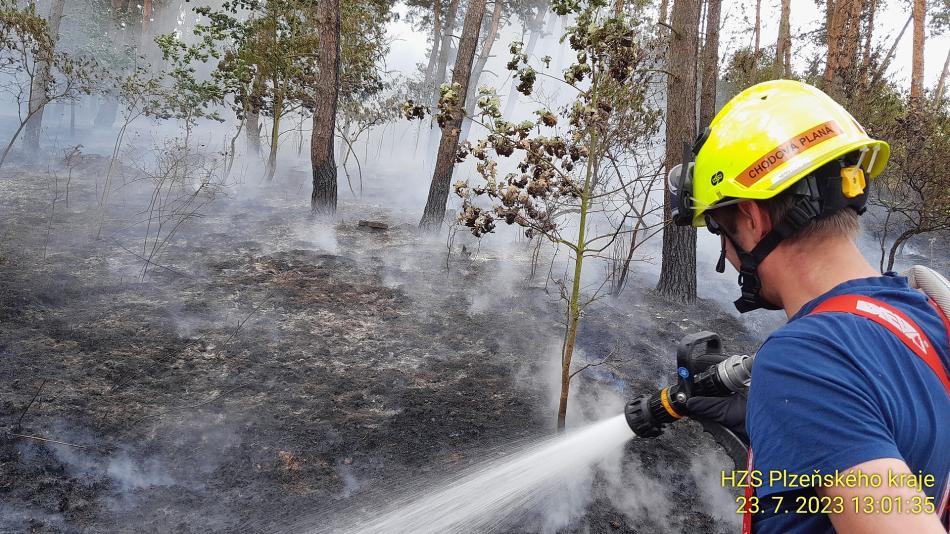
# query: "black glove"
{"points": [[727, 411]]}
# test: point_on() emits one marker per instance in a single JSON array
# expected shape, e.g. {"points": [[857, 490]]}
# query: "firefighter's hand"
{"points": [[727, 411]]}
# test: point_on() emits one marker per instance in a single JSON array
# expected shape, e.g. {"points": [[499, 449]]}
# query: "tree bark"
{"points": [[882, 69], [757, 32], [41, 81], [831, 42], [843, 25], [436, 42], [917, 61], [483, 55], [444, 51], [664, 10], [892, 255], [146, 19], [434, 212], [707, 100], [851, 37], [783, 44], [323, 199], [253, 133], [678, 271], [253, 111], [274, 138], [941, 83], [868, 35]]}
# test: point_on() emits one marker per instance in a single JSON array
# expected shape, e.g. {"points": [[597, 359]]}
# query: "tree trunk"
{"points": [[849, 39], [444, 51], [146, 19], [678, 271], [274, 139], [901, 239], [253, 133], [323, 199], [41, 81], [707, 100], [843, 25], [882, 69], [107, 112], [757, 32], [868, 35], [664, 10], [484, 53], [917, 61], [436, 43], [434, 212], [941, 82], [253, 111], [831, 43], [479, 67], [580, 245], [783, 44]]}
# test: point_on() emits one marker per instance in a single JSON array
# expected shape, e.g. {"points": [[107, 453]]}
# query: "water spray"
{"points": [[702, 371]]}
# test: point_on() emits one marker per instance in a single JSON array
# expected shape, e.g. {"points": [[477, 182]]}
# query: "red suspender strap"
{"points": [[749, 493], [908, 332], [894, 320]]}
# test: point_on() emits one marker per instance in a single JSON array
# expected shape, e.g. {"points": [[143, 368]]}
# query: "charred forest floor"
{"points": [[267, 365]]}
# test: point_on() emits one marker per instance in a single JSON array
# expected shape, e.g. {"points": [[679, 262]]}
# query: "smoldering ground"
{"points": [[268, 366]]}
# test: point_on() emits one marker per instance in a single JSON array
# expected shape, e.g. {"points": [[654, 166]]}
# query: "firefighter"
{"points": [[856, 381]]}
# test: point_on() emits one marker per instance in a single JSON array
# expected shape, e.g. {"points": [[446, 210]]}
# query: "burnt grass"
{"points": [[270, 365]]}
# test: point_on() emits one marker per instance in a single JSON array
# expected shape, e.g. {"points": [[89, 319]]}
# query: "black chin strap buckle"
{"points": [[750, 285], [749, 282], [721, 264]]}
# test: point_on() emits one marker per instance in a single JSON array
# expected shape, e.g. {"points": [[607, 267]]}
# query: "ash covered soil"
{"points": [[269, 366]]}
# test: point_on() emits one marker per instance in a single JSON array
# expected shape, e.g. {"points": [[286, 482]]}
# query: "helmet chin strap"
{"points": [[749, 281], [819, 195], [804, 210]]}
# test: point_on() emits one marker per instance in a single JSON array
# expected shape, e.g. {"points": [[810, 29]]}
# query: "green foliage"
{"points": [[363, 48], [745, 68], [564, 166], [25, 45], [24, 40], [188, 97], [265, 51]]}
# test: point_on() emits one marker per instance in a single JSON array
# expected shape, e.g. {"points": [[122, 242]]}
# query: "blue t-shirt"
{"points": [[833, 390]]}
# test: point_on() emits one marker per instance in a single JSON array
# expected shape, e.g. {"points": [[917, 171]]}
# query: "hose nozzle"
{"points": [[709, 374]]}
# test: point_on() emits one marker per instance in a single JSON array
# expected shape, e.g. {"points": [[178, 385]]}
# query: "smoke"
{"points": [[638, 495], [490, 282], [318, 235], [719, 502], [125, 471]]}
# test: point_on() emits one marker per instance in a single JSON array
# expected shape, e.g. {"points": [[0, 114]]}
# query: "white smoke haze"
{"points": [[197, 436], [719, 502], [640, 496]]}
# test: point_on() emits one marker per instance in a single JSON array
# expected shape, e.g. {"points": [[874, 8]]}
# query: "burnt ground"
{"points": [[270, 365]]}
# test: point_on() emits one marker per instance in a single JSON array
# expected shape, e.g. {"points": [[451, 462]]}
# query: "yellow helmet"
{"points": [[766, 139]]}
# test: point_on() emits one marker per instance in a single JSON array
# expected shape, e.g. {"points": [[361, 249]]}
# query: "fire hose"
{"points": [[703, 370]]}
